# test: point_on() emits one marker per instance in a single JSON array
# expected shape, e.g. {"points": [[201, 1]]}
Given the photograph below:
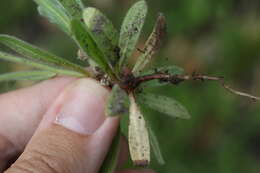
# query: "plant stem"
{"points": [[176, 79]]}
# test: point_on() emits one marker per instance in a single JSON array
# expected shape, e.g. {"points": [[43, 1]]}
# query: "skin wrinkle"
{"points": [[72, 150], [7, 152], [21, 169], [21, 123], [61, 140], [42, 161]]}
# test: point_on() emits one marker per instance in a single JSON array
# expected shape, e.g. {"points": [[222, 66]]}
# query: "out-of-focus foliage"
{"points": [[217, 37]]}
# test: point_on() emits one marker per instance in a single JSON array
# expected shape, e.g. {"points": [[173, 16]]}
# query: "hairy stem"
{"points": [[176, 79]]}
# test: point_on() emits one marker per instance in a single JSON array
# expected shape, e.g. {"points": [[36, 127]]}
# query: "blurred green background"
{"points": [[215, 37]]}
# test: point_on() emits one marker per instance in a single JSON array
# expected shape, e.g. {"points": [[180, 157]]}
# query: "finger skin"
{"points": [[57, 147], [48, 152], [7, 151], [22, 110], [21, 113]]}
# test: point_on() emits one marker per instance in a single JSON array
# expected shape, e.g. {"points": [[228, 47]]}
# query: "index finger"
{"points": [[22, 110]]}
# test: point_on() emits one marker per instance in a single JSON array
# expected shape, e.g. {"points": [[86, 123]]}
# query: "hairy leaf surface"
{"points": [[131, 29], [117, 102], [104, 33], [55, 12], [88, 45], [166, 105], [152, 44], [155, 146], [39, 65], [27, 75], [73, 7], [138, 137], [33, 52]]}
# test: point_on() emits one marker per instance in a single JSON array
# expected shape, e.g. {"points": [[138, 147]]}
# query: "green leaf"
{"points": [[27, 75], [138, 138], [155, 146], [55, 12], [89, 46], [166, 105], [33, 52], [117, 102], [124, 122], [131, 29], [152, 44], [110, 163], [39, 65], [104, 33], [73, 7], [153, 139]]}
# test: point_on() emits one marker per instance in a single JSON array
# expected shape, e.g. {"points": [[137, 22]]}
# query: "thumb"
{"points": [[74, 135]]}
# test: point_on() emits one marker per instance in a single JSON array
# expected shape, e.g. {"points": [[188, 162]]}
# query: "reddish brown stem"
{"points": [[176, 79]]}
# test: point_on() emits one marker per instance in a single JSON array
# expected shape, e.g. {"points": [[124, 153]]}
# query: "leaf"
{"points": [[73, 7], [138, 137], [155, 146], [55, 12], [124, 123], [166, 105], [152, 44], [131, 29], [171, 70], [88, 45], [33, 52], [110, 163], [39, 65], [117, 102], [104, 33], [26, 75]]}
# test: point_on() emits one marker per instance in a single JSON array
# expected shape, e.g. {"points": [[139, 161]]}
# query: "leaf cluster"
{"points": [[107, 52]]}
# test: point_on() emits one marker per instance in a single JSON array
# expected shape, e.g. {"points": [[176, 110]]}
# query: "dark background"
{"points": [[215, 37]]}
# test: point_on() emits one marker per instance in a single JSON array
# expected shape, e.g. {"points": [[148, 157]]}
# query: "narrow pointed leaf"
{"points": [[131, 29], [39, 65], [26, 75], [155, 146], [73, 7], [55, 12], [33, 52], [124, 123], [88, 45], [166, 105], [138, 137], [152, 44], [103, 32], [117, 102], [110, 163]]}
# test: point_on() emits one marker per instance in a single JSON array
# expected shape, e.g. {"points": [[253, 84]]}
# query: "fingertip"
{"points": [[80, 107], [23, 109], [106, 132]]}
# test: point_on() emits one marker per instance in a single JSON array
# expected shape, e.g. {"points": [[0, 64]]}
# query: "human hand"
{"points": [[58, 126]]}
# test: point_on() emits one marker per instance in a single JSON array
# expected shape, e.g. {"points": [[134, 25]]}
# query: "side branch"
{"points": [[176, 79]]}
